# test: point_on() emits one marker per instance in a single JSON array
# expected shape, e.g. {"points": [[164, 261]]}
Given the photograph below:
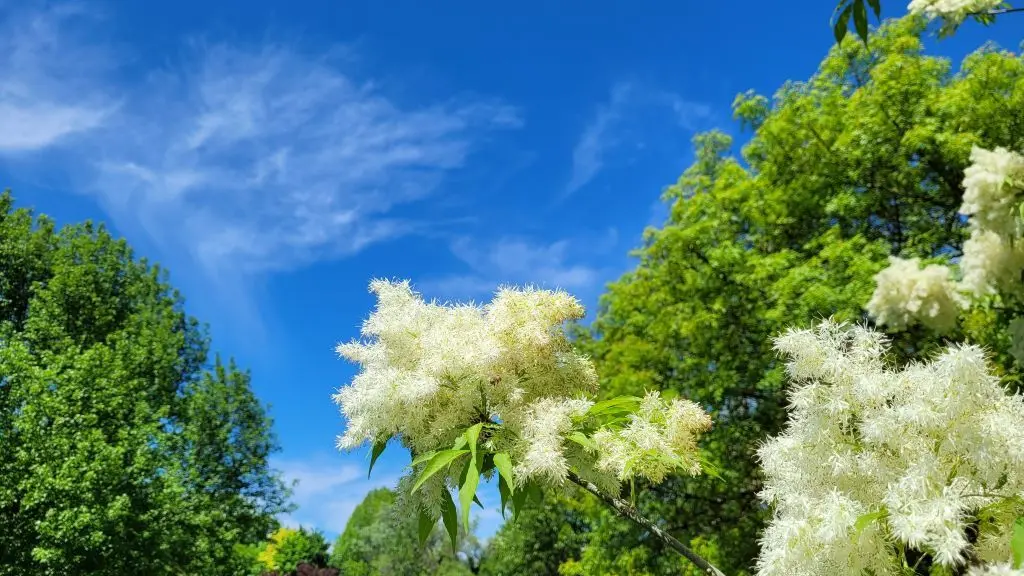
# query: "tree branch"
{"points": [[997, 11], [625, 509]]}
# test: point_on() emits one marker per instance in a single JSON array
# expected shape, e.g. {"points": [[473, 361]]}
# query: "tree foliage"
{"points": [[380, 539], [546, 535], [301, 546], [123, 449], [862, 161]]}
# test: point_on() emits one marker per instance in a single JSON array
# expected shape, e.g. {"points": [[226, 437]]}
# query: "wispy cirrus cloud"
{"points": [[604, 132], [251, 158], [49, 92], [560, 264], [326, 489], [269, 159]]}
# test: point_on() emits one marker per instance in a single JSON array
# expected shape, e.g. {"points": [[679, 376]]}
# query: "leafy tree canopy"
{"points": [[862, 161], [123, 448]]}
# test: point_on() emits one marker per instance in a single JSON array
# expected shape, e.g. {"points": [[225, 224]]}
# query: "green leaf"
{"points": [[865, 519], [860, 19], [504, 465], [505, 492], [617, 404], [708, 467], [476, 500], [876, 6], [422, 458], [1017, 543], [439, 461], [518, 499], [378, 449], [450, 517], [583, 440], [472, 435], [487, 464], [467, 492], [840, 28], [426, 526], [530, 491]]}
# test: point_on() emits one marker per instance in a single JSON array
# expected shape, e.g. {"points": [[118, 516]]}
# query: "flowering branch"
{"points": [[624, 509], [499, 391]]}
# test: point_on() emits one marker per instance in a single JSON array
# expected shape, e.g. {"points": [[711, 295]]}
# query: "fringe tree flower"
{"points": [[878, 464], [993, 257], [660, 438], [907, 293], [989, 195], [952, 11], [476, 390]]}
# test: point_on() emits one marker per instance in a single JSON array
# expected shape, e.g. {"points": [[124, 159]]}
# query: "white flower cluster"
{"points": [[992, 261], [875, 460], [953, 11], [994, 256], [907, 293], [430, 371], [660, 438]]}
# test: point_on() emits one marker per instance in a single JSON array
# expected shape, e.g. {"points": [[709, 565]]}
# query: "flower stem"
{"points": [[625, 509]]}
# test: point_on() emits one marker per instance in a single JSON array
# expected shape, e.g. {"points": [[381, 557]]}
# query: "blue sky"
{"points": [[277, 156]]}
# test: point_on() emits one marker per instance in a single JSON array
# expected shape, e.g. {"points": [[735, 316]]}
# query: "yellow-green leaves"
{"points": [[506, 481], [467, 489], [1017, 543]]}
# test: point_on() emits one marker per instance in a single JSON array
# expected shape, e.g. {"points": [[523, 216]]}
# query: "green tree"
{"points": [[545, 535], [301, 547], [379, 540], [860, 162], [122, 449]]}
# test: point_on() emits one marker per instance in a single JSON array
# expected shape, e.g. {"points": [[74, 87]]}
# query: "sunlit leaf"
{"points": [[503, 463], [438, 462], [1017, 543], [467, 491]]}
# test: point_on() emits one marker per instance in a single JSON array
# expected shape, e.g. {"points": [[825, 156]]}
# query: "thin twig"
{"points": [[997, 11], [625, 509]]}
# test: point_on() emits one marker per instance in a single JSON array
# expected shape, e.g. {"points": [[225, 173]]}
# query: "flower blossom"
{"points": [[431, 371], [954, 11], [660, 437], [993, 257], [875, 459], [989, 196], [906, 293]]}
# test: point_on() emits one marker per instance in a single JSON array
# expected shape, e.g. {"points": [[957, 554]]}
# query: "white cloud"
{"points": [[328, 489], [515, 261], [247, 158], [48, 92], [601, 135], [596, 139], [266, 159]]}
